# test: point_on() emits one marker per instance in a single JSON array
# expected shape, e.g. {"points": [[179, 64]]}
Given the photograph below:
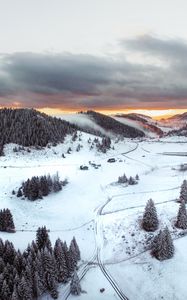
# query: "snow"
{"points": [[105, 217], [84, 121]]}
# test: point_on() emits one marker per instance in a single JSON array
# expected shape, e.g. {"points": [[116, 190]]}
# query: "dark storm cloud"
{"points": [[68, 80]]}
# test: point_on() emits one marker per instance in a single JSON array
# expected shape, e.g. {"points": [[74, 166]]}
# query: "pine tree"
{"points": [[28, 276], [9, 223], [5, 291], [6, 221], [1, 247], [73, 256], [38, 270], [9, 253], [150, 220], [122, 179], [44, 186], [38, 287], [75, 287], [131, 181], [60, 258], [42, 238], [137, 177], [15, 295], [50, 272], [162, 245], [78, 255], [182, 217], [2, 265], [24, 290], [56, 183], [183, 192], [19, 193]]}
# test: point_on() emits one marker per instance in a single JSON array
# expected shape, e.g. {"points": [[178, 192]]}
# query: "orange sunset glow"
{"points": [[155, 114]]}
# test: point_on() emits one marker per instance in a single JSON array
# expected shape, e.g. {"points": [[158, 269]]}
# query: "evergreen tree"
{"points": [[9, 253], [5, 291], [77, 250], [44, 186], [150, 220], [50, 272], [1, 247], [162, 245], [73, 256], [24, 290], [2, 265], [60, 258], [38, 287], [39, 187], [6, 221], [56, 183], [182, 217], [9, 223], [42, 239], [75, 287], [131, 181], [19, 193], [183, 192], [122, 179], [15, 295], [137, 177]]}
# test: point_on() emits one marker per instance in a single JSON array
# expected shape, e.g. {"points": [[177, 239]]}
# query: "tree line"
{"points": [[39, 269], [28, 127], [39, 187], [114, 126]]}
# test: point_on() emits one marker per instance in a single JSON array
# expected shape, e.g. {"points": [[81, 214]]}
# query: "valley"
{"points": [[105, 217]]}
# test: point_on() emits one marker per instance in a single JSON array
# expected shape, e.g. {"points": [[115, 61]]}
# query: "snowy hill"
{"points": [[99, 124], [28, 127], [150, 127], [179, 117]]}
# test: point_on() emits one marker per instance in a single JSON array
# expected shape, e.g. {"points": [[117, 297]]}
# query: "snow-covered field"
{"points": [[102, 215]]}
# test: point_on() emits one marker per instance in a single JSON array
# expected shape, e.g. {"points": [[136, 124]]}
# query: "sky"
{"points": [[107, 55]]}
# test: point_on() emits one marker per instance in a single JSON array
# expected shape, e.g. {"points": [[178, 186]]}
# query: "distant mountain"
{"points": [[179, 117], [28, 127], [141, 122], [135, 117], [112, 126]]}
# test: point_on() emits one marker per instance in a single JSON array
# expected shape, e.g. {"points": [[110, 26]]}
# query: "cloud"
{"points": [[67, 80]]}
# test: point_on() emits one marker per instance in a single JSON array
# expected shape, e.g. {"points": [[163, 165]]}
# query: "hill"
{"points": [[28, 127], [141, 122], [179, 117], [101, 125]]}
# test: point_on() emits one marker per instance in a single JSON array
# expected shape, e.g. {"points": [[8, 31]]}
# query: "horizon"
{"points": [[154, 114]]}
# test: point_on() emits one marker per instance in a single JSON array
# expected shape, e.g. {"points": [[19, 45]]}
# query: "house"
{"points": [[83, 167], [111, 160]]}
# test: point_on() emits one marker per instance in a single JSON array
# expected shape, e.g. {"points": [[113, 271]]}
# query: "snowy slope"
{"points": [[102, 215]]}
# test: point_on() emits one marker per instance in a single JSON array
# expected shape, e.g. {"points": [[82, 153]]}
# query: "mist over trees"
{"points": [[112, 126], [39, 269]]}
